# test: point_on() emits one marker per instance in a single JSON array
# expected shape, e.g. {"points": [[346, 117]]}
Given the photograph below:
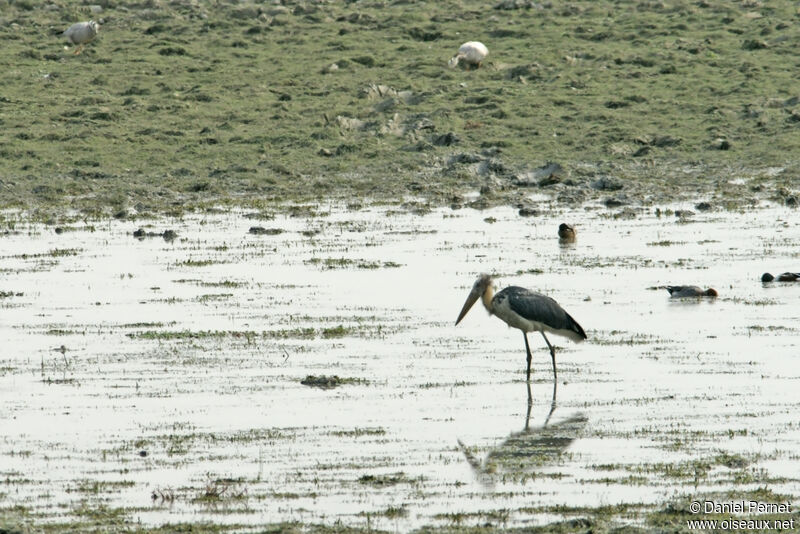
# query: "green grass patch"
{"points": [[365, 107], [345, 263]]}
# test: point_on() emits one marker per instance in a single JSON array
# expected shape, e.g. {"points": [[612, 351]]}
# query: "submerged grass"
{"points": [[674, 516], [333, 332], [178, 105], [345, 263]]}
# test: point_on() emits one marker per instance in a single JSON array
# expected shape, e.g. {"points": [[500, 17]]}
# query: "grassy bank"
{"points": [[186, 104]]}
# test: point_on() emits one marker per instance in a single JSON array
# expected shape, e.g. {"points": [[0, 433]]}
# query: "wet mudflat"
{"points": [[151, 381]]}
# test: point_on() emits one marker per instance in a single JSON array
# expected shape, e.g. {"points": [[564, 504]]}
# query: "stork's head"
{"points": [[481, 285], [711, 292]]}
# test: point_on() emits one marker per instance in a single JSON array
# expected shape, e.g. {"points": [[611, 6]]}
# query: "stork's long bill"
{"points": [[482, 288], [471, 300]]}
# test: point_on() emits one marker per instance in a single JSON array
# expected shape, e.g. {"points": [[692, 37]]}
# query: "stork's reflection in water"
{"points": [[530, 448]]}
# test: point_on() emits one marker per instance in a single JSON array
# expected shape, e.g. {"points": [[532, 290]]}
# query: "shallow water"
{"points": [[181, 367]]}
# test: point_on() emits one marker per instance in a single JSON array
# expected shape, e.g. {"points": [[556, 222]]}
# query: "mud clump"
{"points": [[322, 381], [380, 481], [260, 230]]}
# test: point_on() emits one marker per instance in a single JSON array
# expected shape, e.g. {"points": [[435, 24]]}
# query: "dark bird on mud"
{"points": [[566, 233], [527, 310], [678, 292], [470, 53], [81, 33], [784, 277]]}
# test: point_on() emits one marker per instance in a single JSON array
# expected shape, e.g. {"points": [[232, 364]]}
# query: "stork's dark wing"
{"points": [[540, 308]]}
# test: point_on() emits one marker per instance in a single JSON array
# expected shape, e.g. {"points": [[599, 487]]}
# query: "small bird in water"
{"points": [[471, 53], [527, 310], [690, 291], [566, 233], [784, 277], [81, 33]]}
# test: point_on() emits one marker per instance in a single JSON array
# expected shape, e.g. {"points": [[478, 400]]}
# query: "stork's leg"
{"points": [[530, 399], [78, 50], [530, 405], [528, 348], [552, 355]]}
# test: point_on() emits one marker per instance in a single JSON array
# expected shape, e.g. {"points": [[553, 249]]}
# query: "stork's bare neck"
{"points": [[488, 295]]}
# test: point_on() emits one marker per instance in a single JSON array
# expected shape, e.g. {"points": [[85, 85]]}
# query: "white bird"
{"points": [[527, 310], [471, 53], [81, 33]]}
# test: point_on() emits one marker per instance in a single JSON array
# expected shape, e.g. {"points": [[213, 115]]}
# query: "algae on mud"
{"points": [[181, 105]]}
